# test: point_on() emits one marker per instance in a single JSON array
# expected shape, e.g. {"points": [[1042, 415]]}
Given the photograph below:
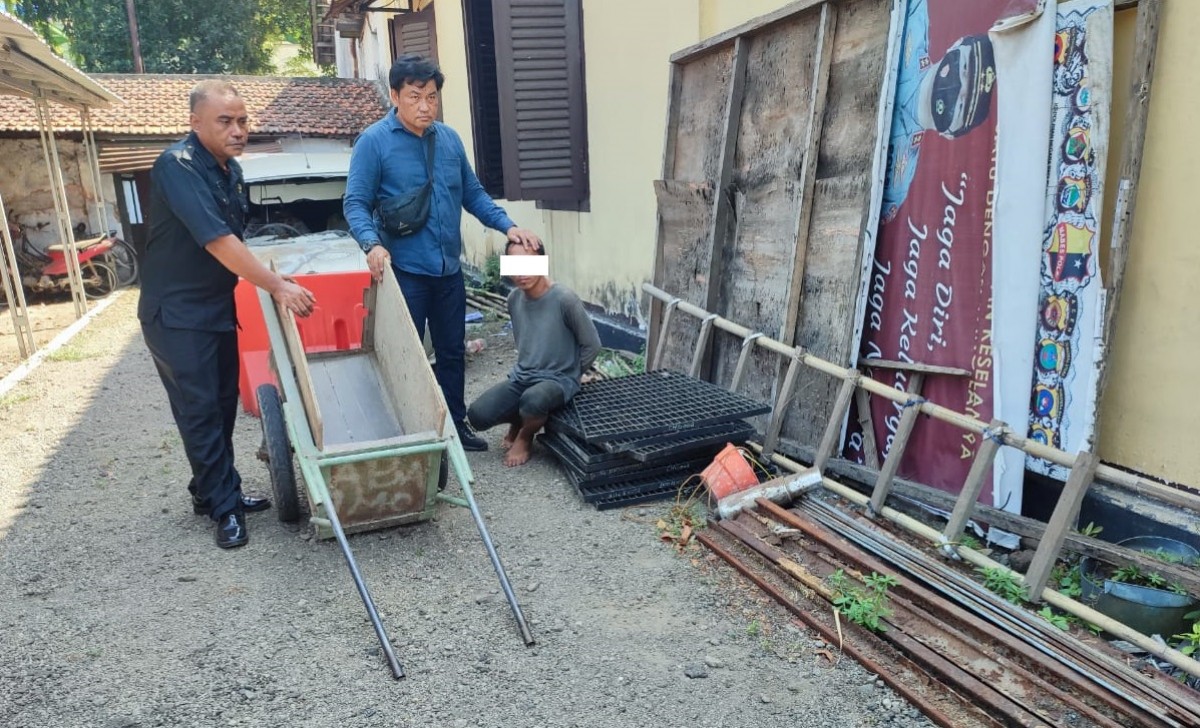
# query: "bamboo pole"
{"points": [[1105, 473]]}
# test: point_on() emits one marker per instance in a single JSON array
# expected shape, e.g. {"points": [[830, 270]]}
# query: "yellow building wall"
{"points": [[1149, 416], [606, 254], [719, 15]]}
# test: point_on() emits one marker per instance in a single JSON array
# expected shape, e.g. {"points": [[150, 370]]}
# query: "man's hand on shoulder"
{"points": [[294, 297], [528, 238]]}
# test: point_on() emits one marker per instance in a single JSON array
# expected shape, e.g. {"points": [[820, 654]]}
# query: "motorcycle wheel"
{"points": [[124, 261], [99, 279]]}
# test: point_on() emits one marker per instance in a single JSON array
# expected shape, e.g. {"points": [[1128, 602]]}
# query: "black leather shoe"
{"points": [[250, 504], [471, 441], [231, 530]]}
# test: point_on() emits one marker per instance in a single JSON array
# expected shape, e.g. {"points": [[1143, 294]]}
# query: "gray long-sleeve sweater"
{"points": [[556, 339]]}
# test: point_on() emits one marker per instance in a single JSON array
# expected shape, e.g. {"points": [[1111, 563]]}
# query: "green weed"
{"points": [[969, 541], [1091, 530], [14, 398], [1004, 583], [71, 353], [1069, 580], [1189, 641], [1058, 620], [864, 606], [491, 273]]}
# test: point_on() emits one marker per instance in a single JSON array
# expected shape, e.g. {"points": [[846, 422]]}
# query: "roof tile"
{"points": [[158, 105]]}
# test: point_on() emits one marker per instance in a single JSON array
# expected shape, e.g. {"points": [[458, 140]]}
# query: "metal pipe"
{"points": [[1054, 598], [311, 473], [358, 457], [936, 661], [458, 459], [61, 210], [929, 709], [1011, 619], [14, 290], [453, 500], [1104, 472], [861, 539]]}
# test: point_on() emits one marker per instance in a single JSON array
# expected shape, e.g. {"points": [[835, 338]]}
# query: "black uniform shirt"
{"points": [[192, 202]]}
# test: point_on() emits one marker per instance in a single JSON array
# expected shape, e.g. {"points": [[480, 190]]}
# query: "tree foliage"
{"points": [[177, 36]]}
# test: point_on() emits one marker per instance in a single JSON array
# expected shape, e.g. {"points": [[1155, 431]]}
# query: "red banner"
{"points": [[929, 297]]}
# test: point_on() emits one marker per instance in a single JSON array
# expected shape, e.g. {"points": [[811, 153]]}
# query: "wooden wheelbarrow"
{"points": [[370, 432]]}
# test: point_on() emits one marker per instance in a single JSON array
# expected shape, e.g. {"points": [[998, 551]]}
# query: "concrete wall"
{"points": [[1149, 416], [371, 57], [25, 185]]}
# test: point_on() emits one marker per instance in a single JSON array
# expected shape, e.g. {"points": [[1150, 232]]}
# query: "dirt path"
{"points": [[118, 610], [47, 317]]}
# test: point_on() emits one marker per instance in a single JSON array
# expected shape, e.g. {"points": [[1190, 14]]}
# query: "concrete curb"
{"points": [[26, 367]]}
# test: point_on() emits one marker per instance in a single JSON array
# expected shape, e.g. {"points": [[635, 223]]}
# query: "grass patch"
{"points": [[71, 353], [14, 398]]}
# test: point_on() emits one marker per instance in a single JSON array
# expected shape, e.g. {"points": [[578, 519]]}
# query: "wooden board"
{"points": [[299, 361], [767, 192], [842, 218], [685, 214], [799, 193], [691, 162], [348, 389], [404, 371]]}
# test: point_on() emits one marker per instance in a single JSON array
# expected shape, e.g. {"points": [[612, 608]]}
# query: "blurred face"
{"points": [[525, 283], [416, 105], [222, 125]]}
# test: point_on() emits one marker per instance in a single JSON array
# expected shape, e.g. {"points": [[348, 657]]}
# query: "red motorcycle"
{"points": [[46, 272]]}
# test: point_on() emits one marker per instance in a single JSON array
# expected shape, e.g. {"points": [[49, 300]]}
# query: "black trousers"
{"points": [[199, 370], [442, 302]]}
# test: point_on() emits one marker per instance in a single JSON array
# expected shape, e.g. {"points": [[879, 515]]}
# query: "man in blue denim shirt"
{"points": [[389, 159]]}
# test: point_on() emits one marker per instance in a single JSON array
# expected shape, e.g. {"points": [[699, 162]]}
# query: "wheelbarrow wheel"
{"points": [[278, 452], [443, 473]]}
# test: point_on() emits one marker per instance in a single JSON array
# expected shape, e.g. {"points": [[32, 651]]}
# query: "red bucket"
{"points": [[728, 473]]}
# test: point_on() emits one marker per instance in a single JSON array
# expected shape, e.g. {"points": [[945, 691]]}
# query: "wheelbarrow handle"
{"points": [[461, 469], [336, 524]]}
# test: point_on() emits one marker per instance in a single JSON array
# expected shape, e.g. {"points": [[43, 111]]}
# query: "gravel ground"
{"points": [[118, 609], [47, 317]]}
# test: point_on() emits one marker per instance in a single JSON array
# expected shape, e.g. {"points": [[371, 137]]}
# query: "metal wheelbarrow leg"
{"points": [[397, 668], [336, 525], [462, 470]]}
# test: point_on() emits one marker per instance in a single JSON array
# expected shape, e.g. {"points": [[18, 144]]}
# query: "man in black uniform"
{"points": [[194, 256]]}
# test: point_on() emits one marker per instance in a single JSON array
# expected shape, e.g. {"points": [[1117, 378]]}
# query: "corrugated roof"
{"points": [[157, 104], [27, 65]]}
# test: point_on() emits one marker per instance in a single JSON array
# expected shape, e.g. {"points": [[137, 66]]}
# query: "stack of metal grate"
{"points": [[641, 438]]}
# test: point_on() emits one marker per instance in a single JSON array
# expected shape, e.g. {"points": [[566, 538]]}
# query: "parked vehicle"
{"points": [[122, 257], [46, 272]]}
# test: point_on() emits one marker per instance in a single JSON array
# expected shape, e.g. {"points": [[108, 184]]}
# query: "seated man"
{"points": [[556, 343]]}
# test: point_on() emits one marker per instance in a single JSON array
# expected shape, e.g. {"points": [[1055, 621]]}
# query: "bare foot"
{"points": [[519, 453], [511, 437]]}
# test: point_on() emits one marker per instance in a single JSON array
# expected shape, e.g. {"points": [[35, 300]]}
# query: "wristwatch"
{"points": [[366, 247]]}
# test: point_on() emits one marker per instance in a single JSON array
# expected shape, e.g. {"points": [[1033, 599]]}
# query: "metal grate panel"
{"points": [[641, 491], [735, 432], [586, 457], [652, 403], [624, 473]]}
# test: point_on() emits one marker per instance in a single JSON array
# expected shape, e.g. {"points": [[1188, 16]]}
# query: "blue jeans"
{"points": [[442, 302]]}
